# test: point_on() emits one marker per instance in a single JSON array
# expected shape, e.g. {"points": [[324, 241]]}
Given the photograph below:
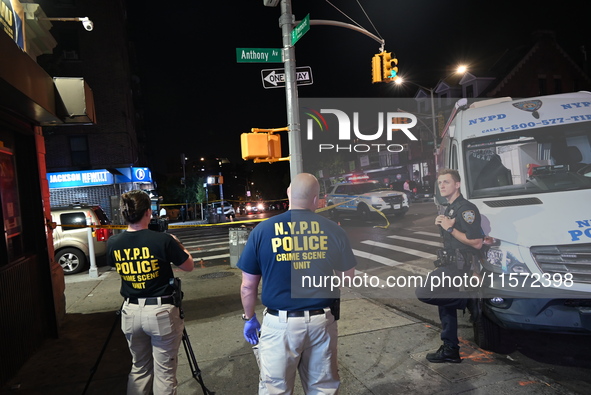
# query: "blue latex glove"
{"points": [[251, 330]]}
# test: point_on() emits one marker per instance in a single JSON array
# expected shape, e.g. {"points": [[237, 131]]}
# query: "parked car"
{"points": [[423, 194], [361, 198], [228, 209], [71, 243]]}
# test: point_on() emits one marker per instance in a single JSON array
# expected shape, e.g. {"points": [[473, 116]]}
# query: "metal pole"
{"points": [[221, 219], [183, 161], [93, 271], [286, 22], [433, 118]]}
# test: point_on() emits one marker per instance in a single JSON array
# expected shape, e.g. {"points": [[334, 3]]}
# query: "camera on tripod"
{"points": [[158, 224]]}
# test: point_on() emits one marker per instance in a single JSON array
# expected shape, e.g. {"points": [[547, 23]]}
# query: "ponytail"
{"points": [[134, 205]]}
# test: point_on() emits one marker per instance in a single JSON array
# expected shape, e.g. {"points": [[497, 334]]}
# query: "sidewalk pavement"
{"points": [[381, 352]]}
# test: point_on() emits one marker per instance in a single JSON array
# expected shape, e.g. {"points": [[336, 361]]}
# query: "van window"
{"points": [[72, 219], [101, 215], [535, 161]]}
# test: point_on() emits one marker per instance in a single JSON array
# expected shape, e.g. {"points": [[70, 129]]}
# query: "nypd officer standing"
{"points": [[149, 318], [299, 330], [462, 238]]}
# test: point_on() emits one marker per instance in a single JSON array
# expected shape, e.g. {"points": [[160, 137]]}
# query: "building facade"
{"points": [[32, 302]]}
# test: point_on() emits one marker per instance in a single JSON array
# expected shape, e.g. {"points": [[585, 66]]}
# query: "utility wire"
{"points": [[352, 20], [367, 16]]}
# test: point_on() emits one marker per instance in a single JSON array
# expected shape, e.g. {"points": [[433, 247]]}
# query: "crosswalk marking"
{"points": [[206, 243], [214, 247], [201, 250], [415, 240], [390, 262], [427, 233], [396, 248], [205, 258]]}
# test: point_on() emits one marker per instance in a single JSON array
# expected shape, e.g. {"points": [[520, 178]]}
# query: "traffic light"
{"points": [[262, 147], [376, 68], [389, 67]]}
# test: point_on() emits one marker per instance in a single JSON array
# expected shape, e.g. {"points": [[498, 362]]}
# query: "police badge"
{"points": [[469, 216], [529, 105]]}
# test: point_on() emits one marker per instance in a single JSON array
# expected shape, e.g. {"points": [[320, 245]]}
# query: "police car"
{"points": [[364, 199], [228, 209]]}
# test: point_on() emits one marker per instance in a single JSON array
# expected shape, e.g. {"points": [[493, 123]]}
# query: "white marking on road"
{"points": [[396, 248], [415, 240], [390, 262]]}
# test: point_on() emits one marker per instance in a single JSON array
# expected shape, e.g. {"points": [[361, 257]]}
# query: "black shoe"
{"points": [[474, 309], [445, 354]]}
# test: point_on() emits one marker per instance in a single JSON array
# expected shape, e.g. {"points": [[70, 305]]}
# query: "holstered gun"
{"points": [[335, 309], [177, 294], [445, 257]]}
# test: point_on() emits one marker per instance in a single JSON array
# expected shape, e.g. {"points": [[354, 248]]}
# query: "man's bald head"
{"points": [[303, 192]]}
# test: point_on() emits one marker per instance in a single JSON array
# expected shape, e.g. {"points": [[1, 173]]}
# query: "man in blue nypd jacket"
{"points": [[293, 253]]}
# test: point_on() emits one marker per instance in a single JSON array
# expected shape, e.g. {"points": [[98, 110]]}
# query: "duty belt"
{"points": [[297, 313], [152, 301]]}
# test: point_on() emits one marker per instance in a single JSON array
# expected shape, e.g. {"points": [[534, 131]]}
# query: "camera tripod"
{"points": [[195, 371]]}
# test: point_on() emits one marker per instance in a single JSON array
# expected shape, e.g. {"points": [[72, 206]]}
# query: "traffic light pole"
{"points": [[286, 22]]}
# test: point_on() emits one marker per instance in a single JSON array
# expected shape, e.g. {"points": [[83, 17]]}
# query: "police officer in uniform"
{"points": [[299, 328], [462, 240], [149, 318]]}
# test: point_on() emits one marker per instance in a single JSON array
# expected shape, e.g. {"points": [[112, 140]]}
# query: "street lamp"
{"points": [[183, 162], [399, 81]]}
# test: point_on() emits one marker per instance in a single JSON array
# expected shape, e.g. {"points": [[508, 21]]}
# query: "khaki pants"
{"points": [[304, 344], [154, 334]]}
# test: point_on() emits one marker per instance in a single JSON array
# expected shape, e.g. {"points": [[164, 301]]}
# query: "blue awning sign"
{"points": [[87, 178]]}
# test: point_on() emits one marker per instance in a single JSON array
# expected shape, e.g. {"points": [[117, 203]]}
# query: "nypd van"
{"points": [[526, 165]]}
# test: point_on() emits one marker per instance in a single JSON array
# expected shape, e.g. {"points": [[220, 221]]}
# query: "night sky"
{"points": [[199, 99]]}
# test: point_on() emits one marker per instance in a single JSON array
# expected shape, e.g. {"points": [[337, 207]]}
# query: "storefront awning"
{"points": [[76, 97]]}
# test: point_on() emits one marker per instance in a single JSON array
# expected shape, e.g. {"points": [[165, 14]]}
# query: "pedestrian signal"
{"points": [[262, 146]]}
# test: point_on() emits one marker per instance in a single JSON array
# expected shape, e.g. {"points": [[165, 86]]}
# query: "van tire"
{"points": [[487, 334], [72, 260]]}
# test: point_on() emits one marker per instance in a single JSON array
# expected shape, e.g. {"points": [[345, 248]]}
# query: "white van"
{"points": [[526, 164]]}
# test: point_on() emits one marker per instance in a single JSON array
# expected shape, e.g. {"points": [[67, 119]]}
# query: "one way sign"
{"points": [[275, 78]]}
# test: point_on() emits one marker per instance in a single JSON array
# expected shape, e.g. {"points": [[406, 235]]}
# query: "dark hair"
{"points": [[134, 205], [455, 175]]}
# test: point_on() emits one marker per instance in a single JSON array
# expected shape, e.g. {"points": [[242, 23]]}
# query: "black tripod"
{"points": [[193, 363]]}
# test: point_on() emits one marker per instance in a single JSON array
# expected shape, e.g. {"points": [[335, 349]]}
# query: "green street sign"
{"points": [[259, 55], [300, 29]]}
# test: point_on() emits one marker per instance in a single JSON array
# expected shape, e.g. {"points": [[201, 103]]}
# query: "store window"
{"points": [[79, 151]]}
